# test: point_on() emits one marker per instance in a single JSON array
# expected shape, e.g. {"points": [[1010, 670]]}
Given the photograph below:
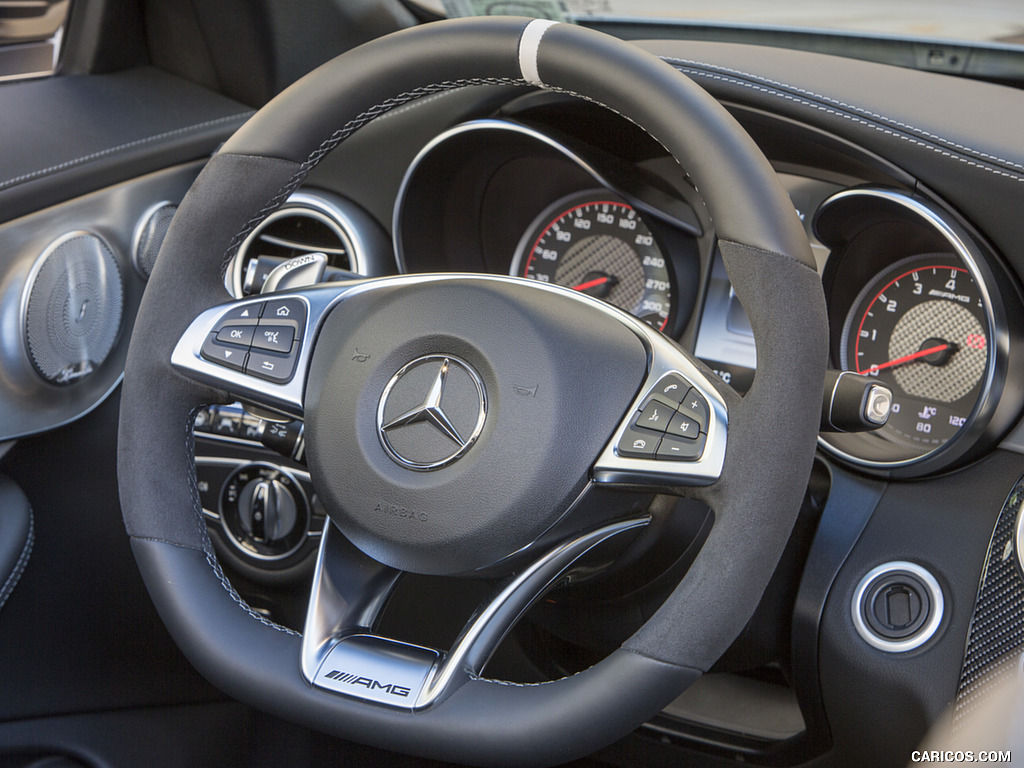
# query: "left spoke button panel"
{"points": [[257, 349], [262, 339]]}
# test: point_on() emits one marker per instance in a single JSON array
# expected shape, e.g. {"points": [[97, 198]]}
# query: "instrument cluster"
{"points": [[915, 298]]}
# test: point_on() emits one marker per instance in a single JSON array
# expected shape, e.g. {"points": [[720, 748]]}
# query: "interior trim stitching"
{"points": [[121, 147], [193, 484], [314, 158], [903, 136], [854, 108], [624, 649], [332, 141], [19, 567], [204, 535], [229, 588]]}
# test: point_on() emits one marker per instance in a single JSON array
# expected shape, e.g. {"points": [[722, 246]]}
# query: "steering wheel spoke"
{"points": [[257, 349], [674, 434], [341, 652]]}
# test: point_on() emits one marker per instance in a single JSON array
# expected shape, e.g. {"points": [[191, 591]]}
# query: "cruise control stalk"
{"points": [[853, 403]]}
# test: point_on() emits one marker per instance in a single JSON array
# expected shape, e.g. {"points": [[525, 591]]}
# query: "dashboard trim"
{"points": [[520, 129]]}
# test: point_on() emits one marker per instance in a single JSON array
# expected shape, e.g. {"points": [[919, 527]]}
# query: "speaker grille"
{"points": [[74, 308], [150, 236]]}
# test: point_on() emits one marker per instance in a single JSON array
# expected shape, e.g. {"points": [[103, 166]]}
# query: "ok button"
{"points": [[236, 334]]}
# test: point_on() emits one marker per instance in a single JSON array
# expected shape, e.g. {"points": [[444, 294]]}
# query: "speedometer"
{"points": [[599, 245]]}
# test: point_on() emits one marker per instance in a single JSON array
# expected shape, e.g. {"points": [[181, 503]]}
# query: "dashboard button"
{"points": [[247, 315], [273, 338], [226, 422], [274, 368], [236, 334], [227, 355], [684, 427], [638, 443], [672, 388], [655, 415], [696, 407], [680, 448], [285, 312]]}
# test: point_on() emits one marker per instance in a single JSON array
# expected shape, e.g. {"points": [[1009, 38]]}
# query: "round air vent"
{"points": [[73, 309], [306, 223]]}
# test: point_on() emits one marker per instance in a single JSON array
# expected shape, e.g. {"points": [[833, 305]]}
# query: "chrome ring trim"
{"points": [[26, 291], [237, 464], [468, 442], [919, 638], [969, 253], [1018, 541], [508, 126], [327, 209]]}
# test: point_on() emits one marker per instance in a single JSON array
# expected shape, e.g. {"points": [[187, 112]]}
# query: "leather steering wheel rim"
{"points": [[771, 436]]}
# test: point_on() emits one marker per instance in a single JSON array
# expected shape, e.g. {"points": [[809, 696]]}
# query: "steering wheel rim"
{"points": [[773, 428]]}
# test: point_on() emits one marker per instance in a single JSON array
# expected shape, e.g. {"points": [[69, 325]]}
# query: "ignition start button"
{"points": [[897, 607]]}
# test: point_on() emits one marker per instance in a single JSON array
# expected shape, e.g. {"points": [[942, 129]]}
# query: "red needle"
{"points": [[591, 283], [907, 358]]}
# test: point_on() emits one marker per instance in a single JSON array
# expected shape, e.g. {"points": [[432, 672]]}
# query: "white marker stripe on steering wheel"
{"points": [[529, 45]]}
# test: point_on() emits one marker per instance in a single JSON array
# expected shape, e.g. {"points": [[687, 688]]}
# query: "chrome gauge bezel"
{"points": [[587, 198], [967, 249]]}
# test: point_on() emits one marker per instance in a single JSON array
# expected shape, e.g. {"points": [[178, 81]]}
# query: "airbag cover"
{"points": [[558, 374]]}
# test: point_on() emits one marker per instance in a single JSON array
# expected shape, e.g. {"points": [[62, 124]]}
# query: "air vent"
{"points": [[307, 223]]}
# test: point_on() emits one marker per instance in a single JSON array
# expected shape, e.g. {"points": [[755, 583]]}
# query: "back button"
{"points": [[266, 365]]}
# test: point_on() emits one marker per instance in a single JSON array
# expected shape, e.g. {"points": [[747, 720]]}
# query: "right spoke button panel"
{"points": [[671, 424]]}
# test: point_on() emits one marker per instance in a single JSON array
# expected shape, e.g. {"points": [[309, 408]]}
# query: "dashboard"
{"points": [[913, 217]]}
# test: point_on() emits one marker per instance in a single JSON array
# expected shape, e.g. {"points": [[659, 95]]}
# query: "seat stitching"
{"points": [[19, 567]]}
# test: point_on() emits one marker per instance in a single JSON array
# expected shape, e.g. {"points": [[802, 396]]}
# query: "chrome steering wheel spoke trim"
{"points": [[342, 654], [257, 349], [680, 411], [199, 352]]}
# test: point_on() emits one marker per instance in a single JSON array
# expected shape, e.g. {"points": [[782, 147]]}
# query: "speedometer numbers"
{"points": [[920, 328], [601, 247]]}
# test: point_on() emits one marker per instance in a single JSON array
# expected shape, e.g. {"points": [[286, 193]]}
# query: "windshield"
{"points": [[980, 21]]}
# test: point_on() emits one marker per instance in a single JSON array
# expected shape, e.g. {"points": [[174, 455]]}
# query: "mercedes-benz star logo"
{"points": [[429, 432]]}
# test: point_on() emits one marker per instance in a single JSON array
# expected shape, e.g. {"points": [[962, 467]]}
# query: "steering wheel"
{"points": [[471, 424]]}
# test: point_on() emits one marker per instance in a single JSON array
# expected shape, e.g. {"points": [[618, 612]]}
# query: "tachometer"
{"points": [[920, 328], [599, 245]]}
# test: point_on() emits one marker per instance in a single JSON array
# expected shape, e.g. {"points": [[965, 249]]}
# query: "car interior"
{"points": [[543, 386]]}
